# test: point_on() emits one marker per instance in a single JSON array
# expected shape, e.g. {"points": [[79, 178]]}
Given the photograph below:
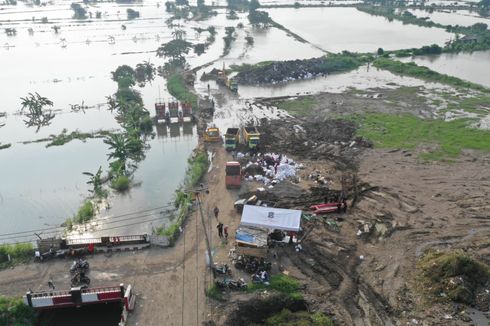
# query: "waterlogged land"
{"points": [[339, 112]]}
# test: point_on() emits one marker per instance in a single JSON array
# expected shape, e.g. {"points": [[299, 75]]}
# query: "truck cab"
{"points": [[233, 174], [212, 134], [231, 139]]}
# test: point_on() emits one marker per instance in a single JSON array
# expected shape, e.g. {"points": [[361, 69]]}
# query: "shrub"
{"points": [[121, 183], [454, 273], [18, 251], [14, 312], [85, 213]]}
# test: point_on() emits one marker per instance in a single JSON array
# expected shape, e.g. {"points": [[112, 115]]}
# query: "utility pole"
{"points": [[208, 245]]}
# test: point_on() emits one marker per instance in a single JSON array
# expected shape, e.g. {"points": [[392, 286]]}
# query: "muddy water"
{"points": [[361, 78], [338, 29], [41, 186], [473, 67], [448, 17]]}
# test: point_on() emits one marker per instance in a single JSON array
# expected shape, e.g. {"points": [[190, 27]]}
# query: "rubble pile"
{"points": [[332, 139]]}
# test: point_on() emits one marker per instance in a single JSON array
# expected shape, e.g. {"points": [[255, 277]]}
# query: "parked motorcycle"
{"points": [[223, 269], [79, 265], [80, 279]]}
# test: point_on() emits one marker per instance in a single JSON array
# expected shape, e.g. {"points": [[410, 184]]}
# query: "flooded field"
{"points": [[449, 17], [333, 30], [473, 67], [41, 187]]}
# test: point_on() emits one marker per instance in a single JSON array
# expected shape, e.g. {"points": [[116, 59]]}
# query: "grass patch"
{"points": [[479, 104], [176, 87], [198, 165], [452, 275], [297, 107], [19, 253], [407, 131], [299, 318], [214, 293], [121, 183], [413, 70], [280, 283], [14, 312], [85, 213]]}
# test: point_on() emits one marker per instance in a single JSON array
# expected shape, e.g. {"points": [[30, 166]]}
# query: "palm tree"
{"points": [[178, 34]]}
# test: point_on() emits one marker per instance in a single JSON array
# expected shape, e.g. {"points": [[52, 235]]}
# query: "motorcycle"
{"points": [[80, 279], [261, 277], [223, 270], [80, 265], [231, 284]]}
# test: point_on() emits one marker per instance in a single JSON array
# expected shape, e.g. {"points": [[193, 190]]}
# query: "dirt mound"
{"points": [[332, 139], [283, 71]]}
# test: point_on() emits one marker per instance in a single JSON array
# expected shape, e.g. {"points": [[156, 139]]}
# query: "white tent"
{"points": [[271, 218]]}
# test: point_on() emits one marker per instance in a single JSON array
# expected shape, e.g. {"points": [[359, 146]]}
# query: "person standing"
{"points": [[216, 211], [220, 229], [226, 232]]}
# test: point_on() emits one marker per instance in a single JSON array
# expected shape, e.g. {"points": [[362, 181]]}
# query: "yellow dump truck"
{"points": [[212, 134], [250, 136]]}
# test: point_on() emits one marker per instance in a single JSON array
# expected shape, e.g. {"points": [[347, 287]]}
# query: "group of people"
{"points": [[222, 229]]}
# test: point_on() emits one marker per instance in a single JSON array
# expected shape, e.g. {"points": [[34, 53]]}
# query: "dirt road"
{"points": [[170, 283]]}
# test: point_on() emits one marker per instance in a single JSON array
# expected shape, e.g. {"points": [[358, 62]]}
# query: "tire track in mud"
{"points": [[356, 301]]}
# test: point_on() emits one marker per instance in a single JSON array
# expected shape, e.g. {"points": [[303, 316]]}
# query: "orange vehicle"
{"points": [[233, 174]]}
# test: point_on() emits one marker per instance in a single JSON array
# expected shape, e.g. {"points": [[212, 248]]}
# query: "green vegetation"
{"points": [[197, 167], [14, 312], [299, 318], [64, 137], [280, 283], [4, 146], [407, 131], [176, 87], [38, 114], [247, 66], [413, 70], [96, 182], [19, 252], [85, 213], [297, 107], [453, 275], [214, 293], [228, 39], [121, 183]]}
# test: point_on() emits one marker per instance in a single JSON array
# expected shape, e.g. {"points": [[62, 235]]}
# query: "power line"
{"points": [[61, 227], [103, 229]]}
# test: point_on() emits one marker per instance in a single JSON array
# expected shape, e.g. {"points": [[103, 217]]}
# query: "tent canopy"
{"points": [[271, 218]]}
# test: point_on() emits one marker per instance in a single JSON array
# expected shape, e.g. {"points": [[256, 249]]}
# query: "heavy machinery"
{"points": [[251, 137], [223, 79], [233, 175], [231, 138], [212, 135]]}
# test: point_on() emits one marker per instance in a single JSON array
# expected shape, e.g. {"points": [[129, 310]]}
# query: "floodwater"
{"points": [[473, 67], [41, 187], [448, 17], [338, 29], [362, 78]]}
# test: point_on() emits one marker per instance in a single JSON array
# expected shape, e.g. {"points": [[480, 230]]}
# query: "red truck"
{"points": [[233, 174]]}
